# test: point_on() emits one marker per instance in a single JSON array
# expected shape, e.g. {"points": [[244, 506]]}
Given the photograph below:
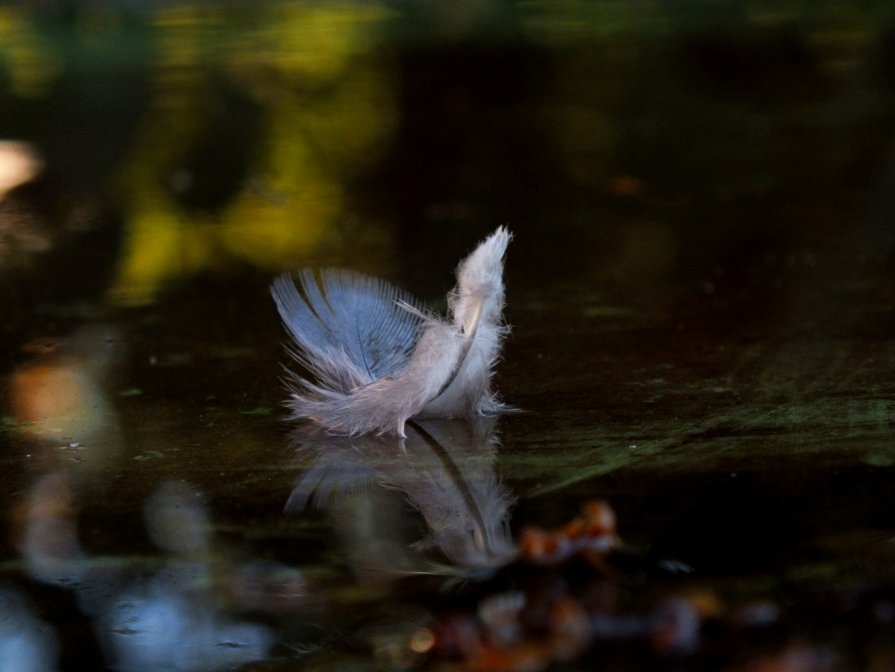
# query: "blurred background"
{"points": [[158, 142], [702, 195]]}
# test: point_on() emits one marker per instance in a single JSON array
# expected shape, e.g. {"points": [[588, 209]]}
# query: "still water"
{"points": [[699, 475]]}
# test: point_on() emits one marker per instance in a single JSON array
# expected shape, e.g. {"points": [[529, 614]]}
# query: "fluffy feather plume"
{"points": [[379, 359]]}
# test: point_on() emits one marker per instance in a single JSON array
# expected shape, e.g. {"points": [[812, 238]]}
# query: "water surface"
{"points": [[699, 288]]}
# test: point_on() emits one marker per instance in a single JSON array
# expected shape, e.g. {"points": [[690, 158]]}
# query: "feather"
{"points": [[379, 359], [349, 329]]}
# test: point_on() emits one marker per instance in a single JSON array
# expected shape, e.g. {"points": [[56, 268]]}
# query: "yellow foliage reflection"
{"points": [[326, 108], [30, 65]]}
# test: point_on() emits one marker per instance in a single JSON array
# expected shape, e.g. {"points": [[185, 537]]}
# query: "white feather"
{"points": [[380, 360]]}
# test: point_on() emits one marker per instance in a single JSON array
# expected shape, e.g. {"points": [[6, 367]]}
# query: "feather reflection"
{"points": [[445, 468]]}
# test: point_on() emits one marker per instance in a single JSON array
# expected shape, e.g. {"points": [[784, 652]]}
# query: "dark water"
{"points": [[700, 290]]}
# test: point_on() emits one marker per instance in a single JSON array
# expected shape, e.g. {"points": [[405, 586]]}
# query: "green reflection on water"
{"points": [[323, 108]]}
